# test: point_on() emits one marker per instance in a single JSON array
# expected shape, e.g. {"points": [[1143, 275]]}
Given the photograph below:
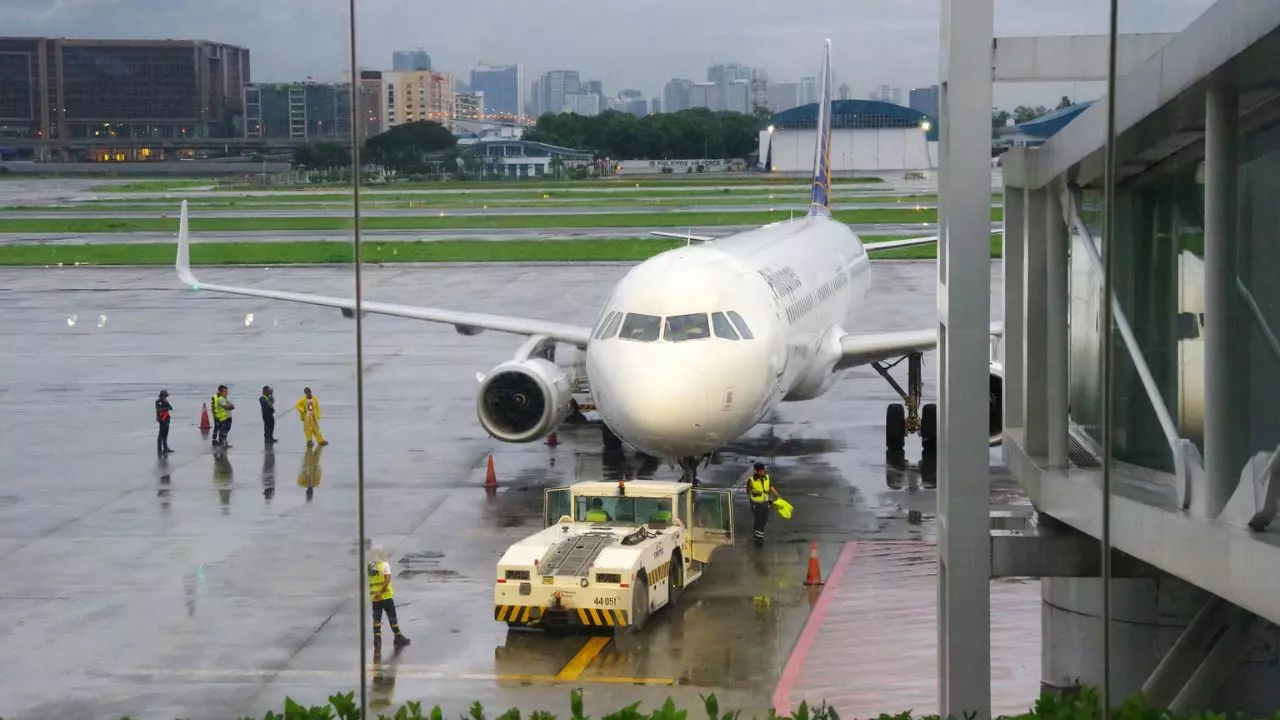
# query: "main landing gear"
{"points": [[909, 417]]}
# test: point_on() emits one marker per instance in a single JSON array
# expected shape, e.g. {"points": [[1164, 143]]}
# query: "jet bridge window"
{"points": [[741, 324], [687, 327], [724, 329], [641, 328]]}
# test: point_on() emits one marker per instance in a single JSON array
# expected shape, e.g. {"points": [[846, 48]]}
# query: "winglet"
{"points": [[821, 201], [183, 262]]}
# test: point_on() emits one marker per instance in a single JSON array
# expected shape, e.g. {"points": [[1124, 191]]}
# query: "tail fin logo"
{"points": [[821, 198]]}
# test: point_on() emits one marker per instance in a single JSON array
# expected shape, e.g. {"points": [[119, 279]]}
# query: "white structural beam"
{"points": [[1070, 58], [1015, 242], [964, 315], [1057, 308]]}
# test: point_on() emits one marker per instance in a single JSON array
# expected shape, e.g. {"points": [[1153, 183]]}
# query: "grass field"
{"points": [[458, 222], [329, 252], [162, 185]]}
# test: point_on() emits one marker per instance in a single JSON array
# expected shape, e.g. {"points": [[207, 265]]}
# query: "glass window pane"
{"points": [[741, 324], [612, 328], [642, 328], [687, 327], [604, 324], [722, 327]]}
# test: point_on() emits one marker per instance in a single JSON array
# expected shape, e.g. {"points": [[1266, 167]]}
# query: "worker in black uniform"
{"points": [[268, 403], [759, 489], [163, 410]]}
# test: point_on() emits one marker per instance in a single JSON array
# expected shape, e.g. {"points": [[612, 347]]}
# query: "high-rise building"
{"points": [[924, 100], [844, 93], [371, 93], [113, 90], [895, 96], [808, 90], [702, 95], [783, 96], [503, 88], [308, 111], [593, 87], [635, 105], [581, 103], [533, 104], [468, 105], [418, 95], [655, 105], [722, 76], [410, 60], [677, 95], [738, 96], [553, 86]]}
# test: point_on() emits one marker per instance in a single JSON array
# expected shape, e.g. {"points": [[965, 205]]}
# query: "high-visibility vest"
{"points": [[375, 584], [219, 412], [595, 515], [759, 488]]}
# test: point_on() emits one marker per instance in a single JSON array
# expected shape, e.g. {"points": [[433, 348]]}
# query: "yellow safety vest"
{"points": [[375, 583], [219, 412], [597, 516], [759, 488]]}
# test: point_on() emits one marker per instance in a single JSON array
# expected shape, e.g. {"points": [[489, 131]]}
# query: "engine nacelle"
{"points": [[995, 405], [523, 401]]}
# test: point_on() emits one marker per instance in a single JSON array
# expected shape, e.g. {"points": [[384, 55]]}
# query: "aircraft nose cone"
{"points": [[660, 405]]}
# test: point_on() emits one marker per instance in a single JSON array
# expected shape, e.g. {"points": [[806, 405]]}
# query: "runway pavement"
{"points": [[213, 585]]}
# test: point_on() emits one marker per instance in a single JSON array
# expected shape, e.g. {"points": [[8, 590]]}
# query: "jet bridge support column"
{"points": [[1225, 353], [1015, 243], [1035, 325], [964, 317]]}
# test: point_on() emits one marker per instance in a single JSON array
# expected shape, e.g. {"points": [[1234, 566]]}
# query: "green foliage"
{"points": [[693, 133], [322, 156], [408, 149], [1026, 113]]}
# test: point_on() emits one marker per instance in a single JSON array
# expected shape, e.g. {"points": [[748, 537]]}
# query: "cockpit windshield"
{"points": [[687, 327], [654, 512], [642, 328]]}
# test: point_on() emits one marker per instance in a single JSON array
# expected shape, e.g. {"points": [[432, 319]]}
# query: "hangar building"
{"points": [[866, 135]]}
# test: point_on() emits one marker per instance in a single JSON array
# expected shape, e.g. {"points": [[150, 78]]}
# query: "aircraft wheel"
{"points": [[929, 428], [640, 603], [675, 581], [895, 427]]}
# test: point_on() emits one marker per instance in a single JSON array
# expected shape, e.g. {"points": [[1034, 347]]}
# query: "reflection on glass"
{"points": [[641, 328]]}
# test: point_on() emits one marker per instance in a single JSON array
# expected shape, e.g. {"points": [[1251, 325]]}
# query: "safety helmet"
{"points": [[759, 466]]}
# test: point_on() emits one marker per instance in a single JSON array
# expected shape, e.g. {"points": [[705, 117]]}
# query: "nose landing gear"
{"points": [[689, 469], [909, 417]]}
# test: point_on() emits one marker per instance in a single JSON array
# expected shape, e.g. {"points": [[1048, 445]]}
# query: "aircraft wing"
{"points": [[904, 243], [688, 237], [467, 323], [865, 348]]}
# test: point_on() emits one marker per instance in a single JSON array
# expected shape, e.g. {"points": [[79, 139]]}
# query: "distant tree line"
{"points": [[415, 148], [1024, 113], [693, 133]]}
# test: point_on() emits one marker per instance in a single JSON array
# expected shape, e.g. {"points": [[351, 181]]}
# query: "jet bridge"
{"points": [[1189, 453]]}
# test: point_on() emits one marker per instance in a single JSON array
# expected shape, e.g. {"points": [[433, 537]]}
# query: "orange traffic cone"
{"points": [[552, 440], [815, 572], [490, 477], [204, 416]]}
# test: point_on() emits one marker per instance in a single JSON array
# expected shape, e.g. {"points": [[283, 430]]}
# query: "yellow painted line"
{"points": [[574, 669]]}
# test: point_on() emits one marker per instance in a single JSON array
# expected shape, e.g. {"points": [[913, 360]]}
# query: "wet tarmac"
{"points": [[213, 585]]}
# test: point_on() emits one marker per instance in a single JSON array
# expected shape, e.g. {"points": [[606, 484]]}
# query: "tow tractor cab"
{"points": [[611, 553]]}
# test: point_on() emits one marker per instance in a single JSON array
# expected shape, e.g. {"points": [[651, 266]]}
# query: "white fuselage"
{"points": [[794, 284]]}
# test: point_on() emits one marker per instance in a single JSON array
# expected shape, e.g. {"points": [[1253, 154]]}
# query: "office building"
{"points": [[594, 87], [96, 92], [844, 93], [655, 105], [307, 111], [924, 100], [677, 95], [737, 96], [410, 60], [702, 95], [585, 104], [722, 76], [416, 96], [808, 90], [553, 86], [783, 96], [503, 87], [468, 105], [637, 106], [371, 93]]}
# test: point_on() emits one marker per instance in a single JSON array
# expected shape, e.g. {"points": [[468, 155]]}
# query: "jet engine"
{"points": [[522, 401], [995, 404]]}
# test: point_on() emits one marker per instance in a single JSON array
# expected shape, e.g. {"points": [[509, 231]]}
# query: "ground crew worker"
{"points": [[268, 404], [222, 408], [163, 408], [308, 407], [381, 593], [759, 488], [596, 513]]}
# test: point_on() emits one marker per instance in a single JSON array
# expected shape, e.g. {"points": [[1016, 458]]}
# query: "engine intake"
{"points": [[523, 401]]}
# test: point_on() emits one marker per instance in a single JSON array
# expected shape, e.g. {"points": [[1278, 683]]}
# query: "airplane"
{"points": [[698, 344]]}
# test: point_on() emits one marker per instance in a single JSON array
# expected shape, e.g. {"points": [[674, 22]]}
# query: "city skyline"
{"points": [[895, 46]]}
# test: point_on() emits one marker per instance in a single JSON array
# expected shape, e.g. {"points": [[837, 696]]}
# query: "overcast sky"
{"points": [[627, 43]]}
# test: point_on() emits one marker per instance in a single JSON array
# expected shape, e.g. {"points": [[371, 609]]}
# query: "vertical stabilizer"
{"points": [[821, 200]]}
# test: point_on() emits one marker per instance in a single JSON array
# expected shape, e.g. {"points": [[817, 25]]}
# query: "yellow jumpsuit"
{"points": [[309, 413]]}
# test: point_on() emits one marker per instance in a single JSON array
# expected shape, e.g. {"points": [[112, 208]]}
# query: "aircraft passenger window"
{"points": [[741, 324], [687, 327], [724, 329], [612, 328], [604, 324], [641, 328]]}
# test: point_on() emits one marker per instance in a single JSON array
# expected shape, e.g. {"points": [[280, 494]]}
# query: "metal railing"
{"points": [[1187, 461]]}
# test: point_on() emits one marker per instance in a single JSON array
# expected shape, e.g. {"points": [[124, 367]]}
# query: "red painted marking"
{"points": [[782, 695]]}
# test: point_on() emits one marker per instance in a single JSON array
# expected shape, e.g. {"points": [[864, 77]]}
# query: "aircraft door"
{"points": [[711, 525], [556, 503]]}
